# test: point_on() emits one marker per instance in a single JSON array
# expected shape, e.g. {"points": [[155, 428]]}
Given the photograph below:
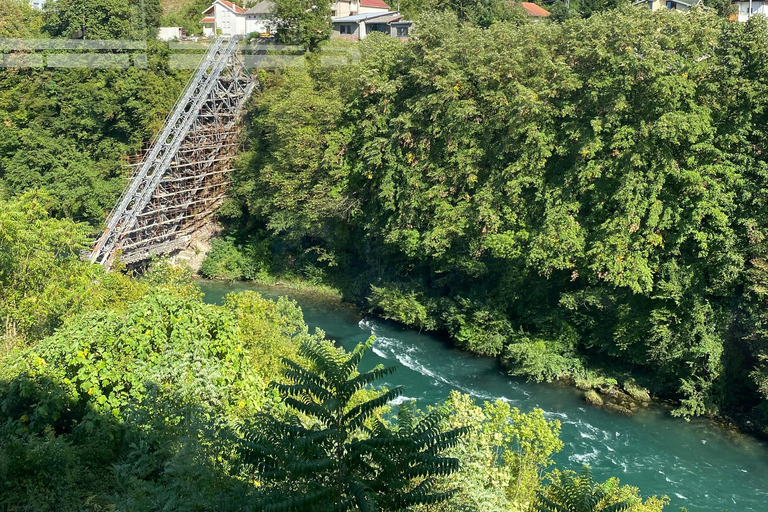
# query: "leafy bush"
{"points": [[42, 279], [504, 456], [539, 360], [408, 307], [138, 406], [231, 261]]}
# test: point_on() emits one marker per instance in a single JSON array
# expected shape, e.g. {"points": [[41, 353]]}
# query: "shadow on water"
{"points": [[696, 463]]}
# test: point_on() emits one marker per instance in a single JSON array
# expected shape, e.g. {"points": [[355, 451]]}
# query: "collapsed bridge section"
{"points": [[183, 177]]}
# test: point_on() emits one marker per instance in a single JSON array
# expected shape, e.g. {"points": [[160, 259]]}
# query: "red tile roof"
{"points": [[209, 19], [234, 7], [374, 3], [534, 10]]}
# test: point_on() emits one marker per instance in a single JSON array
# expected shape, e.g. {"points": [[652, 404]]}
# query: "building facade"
{"points": [[225, 18]]}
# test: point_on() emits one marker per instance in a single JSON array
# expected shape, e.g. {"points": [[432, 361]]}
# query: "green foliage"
{"points": [[405, 307], [563, 195], [539, 359], [333, 453], [579, 493], [18, 19], [127, 408], [103, 19], [503, 457], [232, 261], [42, 280], [187, 16], [167, 341], [303, 22], [65, 131]]}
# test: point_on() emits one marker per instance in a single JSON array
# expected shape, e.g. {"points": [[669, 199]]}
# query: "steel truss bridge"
{"points": [[183, 176]]}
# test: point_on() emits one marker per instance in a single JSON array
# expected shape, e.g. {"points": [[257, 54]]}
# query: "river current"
{"points": [[696, 463]]}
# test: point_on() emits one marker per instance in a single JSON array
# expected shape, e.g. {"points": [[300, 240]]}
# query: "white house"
{"points": [[229, 19], [259, 20], [343, 8], [224, 17], [749, 9], [37, 4]]}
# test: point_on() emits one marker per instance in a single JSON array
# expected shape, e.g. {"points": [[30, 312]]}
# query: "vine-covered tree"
{"points": [[333, 452]]}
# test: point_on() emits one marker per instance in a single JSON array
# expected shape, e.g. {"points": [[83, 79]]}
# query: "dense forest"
{"points": [[582, 198], [124, 393]]}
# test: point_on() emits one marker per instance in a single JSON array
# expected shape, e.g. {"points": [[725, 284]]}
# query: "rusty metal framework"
{"points": [[183, 176]]}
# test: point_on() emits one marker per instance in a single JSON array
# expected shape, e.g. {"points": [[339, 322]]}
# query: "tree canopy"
{"points": [[566, 196]]}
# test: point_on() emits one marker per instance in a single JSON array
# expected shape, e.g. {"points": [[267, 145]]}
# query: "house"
{"points": [[400, 28], [229, 19], [343, 8], [37, 4], [533, 10], [259, 19], [358, 26], [225, 18], [170, 33], [672, 5], [748, 9]]}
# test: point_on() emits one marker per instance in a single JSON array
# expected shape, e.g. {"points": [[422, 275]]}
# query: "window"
{"points": [[402, 31], [345, 29]]}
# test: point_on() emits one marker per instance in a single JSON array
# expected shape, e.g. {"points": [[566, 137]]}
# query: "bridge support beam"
{"points": [[184, 175]]}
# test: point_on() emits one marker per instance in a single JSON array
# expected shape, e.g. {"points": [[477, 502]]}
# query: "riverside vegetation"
{"points": [[584, 200], [576, 198], [118, 393]]}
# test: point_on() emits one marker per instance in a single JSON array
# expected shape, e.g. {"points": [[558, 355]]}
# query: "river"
{"points": [[697, 464]]}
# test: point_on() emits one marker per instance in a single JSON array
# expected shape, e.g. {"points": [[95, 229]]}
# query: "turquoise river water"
{"points": [[697, 464]]}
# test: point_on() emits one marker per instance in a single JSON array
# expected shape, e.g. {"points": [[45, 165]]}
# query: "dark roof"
{"points": [[385, 18], [265, 7]]}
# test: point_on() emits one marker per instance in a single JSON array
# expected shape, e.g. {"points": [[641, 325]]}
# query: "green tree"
{"points": [[303, 22], [42, 279], [571, 493], [502, 458], [84, 19], [563, 195], [18, 19], [332, 452]]}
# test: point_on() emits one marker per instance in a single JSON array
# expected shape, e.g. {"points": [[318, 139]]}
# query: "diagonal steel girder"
{"points": [[182, 178]]}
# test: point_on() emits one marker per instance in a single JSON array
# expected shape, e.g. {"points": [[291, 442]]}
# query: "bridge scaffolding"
{"points": [[183, 177]]}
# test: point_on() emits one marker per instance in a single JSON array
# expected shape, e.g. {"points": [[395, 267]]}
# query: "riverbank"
{"points": [[620, 396], [699, 465]]}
